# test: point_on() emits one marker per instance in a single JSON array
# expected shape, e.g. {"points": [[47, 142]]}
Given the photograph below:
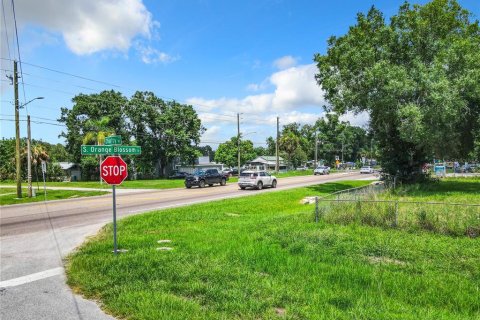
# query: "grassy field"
{"points": [[146, 184], [9, 195], [262, 257], [450, 207]]}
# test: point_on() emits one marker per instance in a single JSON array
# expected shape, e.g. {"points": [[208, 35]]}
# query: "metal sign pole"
{"points": [[44, 170], [114, 221]]}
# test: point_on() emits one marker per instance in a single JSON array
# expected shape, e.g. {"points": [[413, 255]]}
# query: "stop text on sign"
{"points": [[113, 170]]}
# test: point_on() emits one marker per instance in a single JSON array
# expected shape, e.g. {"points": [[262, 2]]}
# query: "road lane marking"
{"points": [[31, 277]]}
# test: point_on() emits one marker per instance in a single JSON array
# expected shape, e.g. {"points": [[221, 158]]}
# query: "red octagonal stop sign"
{"points": [[113, 170]]}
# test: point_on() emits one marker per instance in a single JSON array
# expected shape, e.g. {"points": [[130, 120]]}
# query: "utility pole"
{"points": [[342, 150], [277, 163], [17, 133], [29, 155], [238, 141], [316, 150], [371, 151]]}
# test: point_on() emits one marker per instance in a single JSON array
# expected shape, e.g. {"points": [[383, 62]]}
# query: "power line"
{"points": [[6, 30], [198, 105], [37, 122], [19, 56]]}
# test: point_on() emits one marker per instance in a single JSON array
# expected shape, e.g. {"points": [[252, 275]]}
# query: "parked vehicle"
{"points": [[303, 168], [179, 175], [256, 179], [201, 178], [366, 169], [228, 172], [321, 170]]}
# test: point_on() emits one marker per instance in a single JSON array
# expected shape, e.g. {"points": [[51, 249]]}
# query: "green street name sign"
{"points": [[113, 140], [109, 150]]}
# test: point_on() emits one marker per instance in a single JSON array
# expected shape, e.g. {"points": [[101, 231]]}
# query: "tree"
{"points": [[165, 130], [108, 106], [260, 151], [289, 142], [227, 152], [414, 76], [97, 131], [271, 146]]}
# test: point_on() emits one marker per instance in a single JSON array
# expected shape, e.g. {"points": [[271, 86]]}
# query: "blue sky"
{"points": [[223, 57]]}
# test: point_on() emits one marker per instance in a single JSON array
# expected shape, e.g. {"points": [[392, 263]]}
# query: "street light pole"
{"points": [[316, 150], [238, 142], [277, 160], [29, 151]]}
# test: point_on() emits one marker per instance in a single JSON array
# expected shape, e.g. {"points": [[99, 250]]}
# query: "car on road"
{"points": [[201, 178], [321, 170], [366, 169], [256, 179]]}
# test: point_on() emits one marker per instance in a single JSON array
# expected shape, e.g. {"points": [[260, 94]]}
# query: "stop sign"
{"points": [[113, 170]]}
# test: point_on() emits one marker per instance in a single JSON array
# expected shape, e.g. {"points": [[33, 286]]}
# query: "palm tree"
{"points": [[39, 154], [99, 129]]}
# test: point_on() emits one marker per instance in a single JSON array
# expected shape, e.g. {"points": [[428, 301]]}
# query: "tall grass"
{"points": [[413, 207]]}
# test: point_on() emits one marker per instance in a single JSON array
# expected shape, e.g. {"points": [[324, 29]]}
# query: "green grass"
{"points": [[9, 195], [262, 257], [450, 207]]}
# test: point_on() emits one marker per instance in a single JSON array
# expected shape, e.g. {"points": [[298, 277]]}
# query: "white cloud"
{"points": [[89, 26], [211, 134], [294, 88], [299, 117], [360, 120], [151, 55], [285, 62]]}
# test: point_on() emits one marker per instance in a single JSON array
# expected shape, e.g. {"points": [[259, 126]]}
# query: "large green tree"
{"points": [[227, 152], [416, 76], [85, 117], [166, 130]]}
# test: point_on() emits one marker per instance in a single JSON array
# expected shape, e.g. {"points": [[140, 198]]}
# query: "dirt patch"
{"points": [[307, 200], [385, 260], [281, 312], [164, 248], [232, 214]]}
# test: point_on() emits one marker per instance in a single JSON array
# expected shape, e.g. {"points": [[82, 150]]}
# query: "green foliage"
{"points": [[40, 151], [271, 147], [90, 168], [415, 77], [227, 152], [246, 258], [54, 172], [164, 130], [104, 111]]}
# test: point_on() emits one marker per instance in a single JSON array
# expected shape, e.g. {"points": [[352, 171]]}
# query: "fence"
{"points": [[365, 206]]}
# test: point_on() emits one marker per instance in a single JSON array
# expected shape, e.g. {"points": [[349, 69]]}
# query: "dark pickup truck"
{"points": [[201, 178]]}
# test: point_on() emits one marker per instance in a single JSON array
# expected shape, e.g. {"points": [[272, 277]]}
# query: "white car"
{"points": [[366, 169], [256, 179], [321, 170]]}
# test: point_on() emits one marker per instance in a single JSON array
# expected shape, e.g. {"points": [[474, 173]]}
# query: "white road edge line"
{"points": [[31, 277]]}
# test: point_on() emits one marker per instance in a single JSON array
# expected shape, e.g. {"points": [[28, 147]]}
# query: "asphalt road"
{"points": [[35, 238]]}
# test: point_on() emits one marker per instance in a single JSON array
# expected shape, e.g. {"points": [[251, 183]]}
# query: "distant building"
{"points": [[267, 163], [200, 163], [72, 171]]}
